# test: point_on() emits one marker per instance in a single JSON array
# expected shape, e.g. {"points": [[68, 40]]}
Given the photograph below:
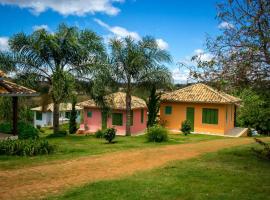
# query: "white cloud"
{"points": [[162, 44], [4, 44], [67, 7], [118, 31], [43, 26], [180, 75], [205, 57], [225, 25], [121, 32]]}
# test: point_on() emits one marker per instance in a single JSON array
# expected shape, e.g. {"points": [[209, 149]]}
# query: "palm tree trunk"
{"points": [[55, 117], [128, 110]]}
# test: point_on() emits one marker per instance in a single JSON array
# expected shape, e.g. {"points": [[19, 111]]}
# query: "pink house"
{"points": [[94, 119]]}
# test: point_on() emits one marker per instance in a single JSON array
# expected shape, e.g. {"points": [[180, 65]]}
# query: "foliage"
{"points": [[60, 133], [55, 59], [73, 116], [255, 112], [109, 134], [186, 127], [25, 130], [265, 151], [99, 134], [132, 62], [249, 132], [240, 55], [25, 147], [5, 127], [153, 107], [157, 134]]}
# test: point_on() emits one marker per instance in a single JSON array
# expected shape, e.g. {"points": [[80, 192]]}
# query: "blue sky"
{"points": [[180, 26]]}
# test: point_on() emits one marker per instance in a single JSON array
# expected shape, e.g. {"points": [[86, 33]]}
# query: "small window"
{"points": [[89, 114], [168, 110], [210, 116], [117, 119], [38, 115], [142, 115]]}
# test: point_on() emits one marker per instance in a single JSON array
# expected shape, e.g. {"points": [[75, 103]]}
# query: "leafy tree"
{"points": [[241, 54], [131, 61], [55, 60], [73, 116], [254, 113]]}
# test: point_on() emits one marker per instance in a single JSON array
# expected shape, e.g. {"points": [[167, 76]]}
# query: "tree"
{"points": [[55, 59], [131, 61], [158, 78], [254, 112], [73, 116], [241, 53]]}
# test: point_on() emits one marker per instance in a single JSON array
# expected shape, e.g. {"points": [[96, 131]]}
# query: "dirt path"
{"points": [[39, 181]]}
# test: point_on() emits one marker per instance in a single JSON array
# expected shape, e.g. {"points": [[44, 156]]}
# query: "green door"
{"points": [[104, 115], [190, 117]]}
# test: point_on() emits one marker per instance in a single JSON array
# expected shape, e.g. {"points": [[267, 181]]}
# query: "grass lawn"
{"points": [[228, 174], [74, 146]]}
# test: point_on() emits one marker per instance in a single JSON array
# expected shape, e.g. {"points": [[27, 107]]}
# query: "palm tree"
{"points": [[131, 63], [55, 59]]}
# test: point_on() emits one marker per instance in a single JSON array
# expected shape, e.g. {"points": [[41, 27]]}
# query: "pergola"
{"points": [[14, 90]]}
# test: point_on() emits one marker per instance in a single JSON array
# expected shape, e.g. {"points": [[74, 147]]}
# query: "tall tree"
{"points": [[131, 62], [241, 53], [55, 59]]}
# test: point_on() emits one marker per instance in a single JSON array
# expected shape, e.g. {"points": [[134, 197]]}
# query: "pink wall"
{"points": [[95, 122]]}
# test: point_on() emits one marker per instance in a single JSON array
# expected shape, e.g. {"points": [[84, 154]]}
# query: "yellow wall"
{"points": [[174, 120]]}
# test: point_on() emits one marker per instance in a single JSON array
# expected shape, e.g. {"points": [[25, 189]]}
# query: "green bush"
{"points": [[157, 134], [249, 132], [5, 127], [25, 147], [60, 133], [99, 134], [109, 134], [186, 127], [25, 130]]}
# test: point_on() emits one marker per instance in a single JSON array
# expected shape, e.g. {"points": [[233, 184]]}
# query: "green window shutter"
{"points": [[131, 118], [117, 119], [38, 115], [142, 115], [89, 114], [168, 110], [210, 116]]}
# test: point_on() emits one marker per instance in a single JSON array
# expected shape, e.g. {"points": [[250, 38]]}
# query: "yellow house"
{"points": [[208, 110]]}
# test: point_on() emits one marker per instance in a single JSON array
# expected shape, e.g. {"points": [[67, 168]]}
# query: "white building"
{"points": [[43, 116]]}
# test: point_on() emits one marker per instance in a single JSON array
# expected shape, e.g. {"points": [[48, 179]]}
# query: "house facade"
{"points": [[207, 110], [94, 118], [43, 116]]}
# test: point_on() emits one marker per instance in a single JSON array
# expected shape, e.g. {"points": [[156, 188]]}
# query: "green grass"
{"points": [[74, 146], [228, 174]]}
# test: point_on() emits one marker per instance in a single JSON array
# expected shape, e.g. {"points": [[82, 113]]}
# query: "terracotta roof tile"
{"points": [[117, 101], [199, 93]]}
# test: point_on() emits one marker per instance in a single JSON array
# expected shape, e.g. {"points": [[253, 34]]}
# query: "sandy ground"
{"points": [[39, 181]]}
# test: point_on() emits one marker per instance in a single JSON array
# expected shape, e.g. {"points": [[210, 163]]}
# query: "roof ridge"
{"points": [[215, 91]]}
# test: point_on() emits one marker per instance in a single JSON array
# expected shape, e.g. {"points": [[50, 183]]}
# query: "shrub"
{"points": [[38, 127], [60, 133], [249, 132], [5, 127], [157, 134], [109, 134], [265, 151], [186, 127], [25, 147], [27, 131], [99, 134]]}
